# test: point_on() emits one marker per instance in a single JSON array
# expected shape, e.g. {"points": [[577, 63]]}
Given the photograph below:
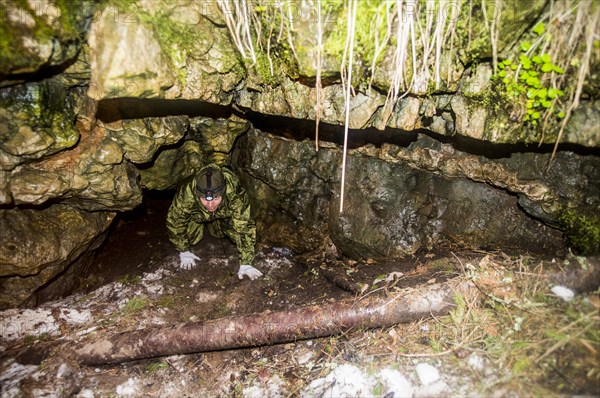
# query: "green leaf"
{"points": [[501, 65], [525, 45], [547, 68], [546, 104], [534, 122], [537, 59], [561, 114], [502, 73], [526, 118], [506, 80], [542, 93], [535, 115], [530, 111], [531, 93], [539, 29], [529, 105], [523, 75], [533, 81], [507, 62], [513, 67], [533, 73], [558, 69], [546, 58]]}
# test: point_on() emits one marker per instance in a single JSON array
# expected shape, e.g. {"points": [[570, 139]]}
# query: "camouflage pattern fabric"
{"points": [[187, 217]]}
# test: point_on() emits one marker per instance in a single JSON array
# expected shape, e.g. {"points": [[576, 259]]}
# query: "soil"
{"points": [[136, 283]]}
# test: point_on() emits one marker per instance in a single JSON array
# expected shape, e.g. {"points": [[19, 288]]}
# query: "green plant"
{"points": [[528, 80], [582, 233], [155, 367], [130, 280], [135, 304]]}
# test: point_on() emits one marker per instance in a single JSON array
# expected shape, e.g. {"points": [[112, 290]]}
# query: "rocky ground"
{"points": [[517, 337]]}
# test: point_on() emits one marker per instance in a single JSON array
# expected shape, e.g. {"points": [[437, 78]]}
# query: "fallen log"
{"points": [[273, 327]]}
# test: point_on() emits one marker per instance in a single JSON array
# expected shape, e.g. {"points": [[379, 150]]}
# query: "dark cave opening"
{"points": [[111, 110]]}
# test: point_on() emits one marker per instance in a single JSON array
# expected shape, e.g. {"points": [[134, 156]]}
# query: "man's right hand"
{"points": [[187, 260]]}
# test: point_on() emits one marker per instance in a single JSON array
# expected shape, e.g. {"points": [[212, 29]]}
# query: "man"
{"points": [[213, 198]]}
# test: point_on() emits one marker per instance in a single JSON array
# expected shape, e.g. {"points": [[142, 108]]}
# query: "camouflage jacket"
{"points": [[186, 207]]}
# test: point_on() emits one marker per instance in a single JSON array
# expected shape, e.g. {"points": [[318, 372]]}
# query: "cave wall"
{"points": [[102, 101], [390, 209]]}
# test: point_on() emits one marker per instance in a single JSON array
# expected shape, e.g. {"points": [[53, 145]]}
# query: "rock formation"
{"points": [[102, 101]]}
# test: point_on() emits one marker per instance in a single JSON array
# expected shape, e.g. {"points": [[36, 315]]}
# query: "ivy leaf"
{"points": [[547, 68], [501, 65], [535, 115], [506, 80], [502, 73], [507, 62], [525, 45], [537, 59], [546, 104], [558, 69], [513, 67], [539, 29], [533, 73]]}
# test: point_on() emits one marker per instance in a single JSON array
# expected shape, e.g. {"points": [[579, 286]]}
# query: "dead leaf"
{"points": [[393, 275]]}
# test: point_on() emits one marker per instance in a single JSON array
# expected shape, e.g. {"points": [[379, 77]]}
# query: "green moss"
{"points": [[13, 54], [582, 233], [176, 39], [365, 31]]}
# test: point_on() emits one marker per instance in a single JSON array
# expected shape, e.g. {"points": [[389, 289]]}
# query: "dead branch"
{"points": [[273, 327], [341, 282]]}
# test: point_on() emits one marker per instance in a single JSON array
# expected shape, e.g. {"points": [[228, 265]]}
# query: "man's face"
{"points": [[211, 205]]}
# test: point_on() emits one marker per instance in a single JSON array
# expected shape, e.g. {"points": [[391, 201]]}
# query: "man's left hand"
{"points": [[249, 271]]}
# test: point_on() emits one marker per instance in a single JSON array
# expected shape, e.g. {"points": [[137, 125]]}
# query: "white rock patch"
{"points": [[16, 324]]}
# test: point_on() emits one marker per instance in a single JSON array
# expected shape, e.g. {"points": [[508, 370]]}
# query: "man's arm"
{"points": [[178, 219], [244, 226]]}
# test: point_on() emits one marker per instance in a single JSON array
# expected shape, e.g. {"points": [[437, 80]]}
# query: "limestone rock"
{"points": [[38, 244], [584, 126], [126, 59], [40, 34], [172, 165], [92, 176], [391, 209], [207, 140], [141, 138], [36, 120]]}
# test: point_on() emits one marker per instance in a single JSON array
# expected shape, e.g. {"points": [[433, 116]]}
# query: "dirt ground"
{"points": [[477, 350]]}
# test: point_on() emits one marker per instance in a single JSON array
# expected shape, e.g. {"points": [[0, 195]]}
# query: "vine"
{"points": [[529, 81]]}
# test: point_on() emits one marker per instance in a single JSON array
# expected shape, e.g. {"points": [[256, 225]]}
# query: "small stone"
{"points": [[563, 292], [427, 374]]}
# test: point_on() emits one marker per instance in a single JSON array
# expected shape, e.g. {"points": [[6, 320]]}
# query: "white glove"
{"points": [[249, 271], [187, 260]]}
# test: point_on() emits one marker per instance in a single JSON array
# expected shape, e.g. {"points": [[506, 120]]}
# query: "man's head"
{"points": [[210, 187]]}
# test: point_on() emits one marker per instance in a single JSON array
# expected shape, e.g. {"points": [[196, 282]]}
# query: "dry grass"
{"points": [[542, 343]]}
